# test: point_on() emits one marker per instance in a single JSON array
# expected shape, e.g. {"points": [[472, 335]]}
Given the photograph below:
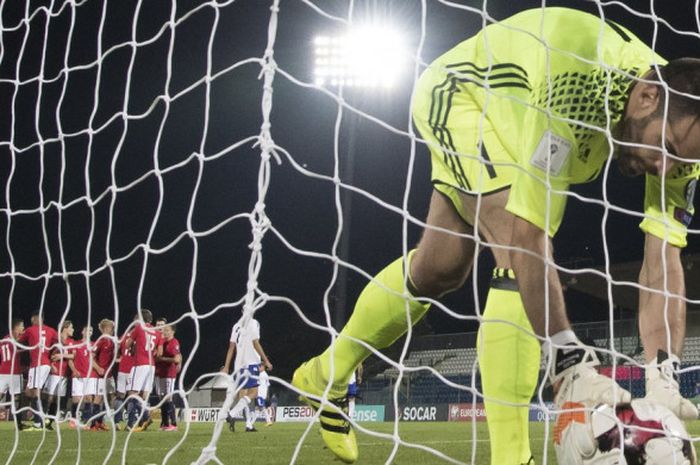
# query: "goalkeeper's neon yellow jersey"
{"points": [[552, 83]]}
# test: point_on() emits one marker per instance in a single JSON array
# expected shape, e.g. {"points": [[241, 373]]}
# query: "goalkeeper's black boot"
{"points": [[336, 430]]}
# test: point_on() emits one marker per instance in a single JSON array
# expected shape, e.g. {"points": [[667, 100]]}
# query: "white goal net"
{"points": [[215, 161]]}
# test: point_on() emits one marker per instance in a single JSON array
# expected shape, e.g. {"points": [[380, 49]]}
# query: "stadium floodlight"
{"points": [[364, 56]]}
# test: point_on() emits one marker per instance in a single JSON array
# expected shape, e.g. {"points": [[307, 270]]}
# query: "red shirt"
{"points": [[171, 348], [104, 353], [126, 359], [9, 358], [146, 340], [82, 360], [59, 367], [41, 341]]}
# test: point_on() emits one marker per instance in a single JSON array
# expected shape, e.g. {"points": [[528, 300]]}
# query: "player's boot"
{"points": [[143, 426], [576, 380], [336, 430], [662, 386]]}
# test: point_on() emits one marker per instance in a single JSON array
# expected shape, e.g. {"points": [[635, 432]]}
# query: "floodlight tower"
{"points": [[363, 59]]}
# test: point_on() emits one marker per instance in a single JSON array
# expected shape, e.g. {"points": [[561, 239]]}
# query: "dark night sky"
{"points": [[300, 208]]}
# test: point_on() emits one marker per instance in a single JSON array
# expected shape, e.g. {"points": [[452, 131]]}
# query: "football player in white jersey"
{"points": [[261, 400], [245, 344]]}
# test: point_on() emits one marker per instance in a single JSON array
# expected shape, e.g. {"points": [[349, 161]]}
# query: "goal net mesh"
{"points": [[185, 157]]}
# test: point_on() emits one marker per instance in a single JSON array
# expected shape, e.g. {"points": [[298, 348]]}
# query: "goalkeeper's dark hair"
{"points": [[682, 76], [16, 322]]}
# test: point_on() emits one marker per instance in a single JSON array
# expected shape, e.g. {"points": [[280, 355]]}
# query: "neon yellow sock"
{"points": [[509, 361], [379, 319]]}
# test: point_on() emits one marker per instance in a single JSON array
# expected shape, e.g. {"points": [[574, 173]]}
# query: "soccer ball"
{"points": [[637, 433]]}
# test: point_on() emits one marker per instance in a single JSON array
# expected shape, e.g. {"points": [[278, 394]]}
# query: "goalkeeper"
{"points": [[511, 124]]}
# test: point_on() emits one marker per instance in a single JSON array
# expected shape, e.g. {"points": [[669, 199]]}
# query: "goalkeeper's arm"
{"points": [[531, 247], [652, 305]]}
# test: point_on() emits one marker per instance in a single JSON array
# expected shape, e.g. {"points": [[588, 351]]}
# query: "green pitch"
{"points": [[273, 445]]}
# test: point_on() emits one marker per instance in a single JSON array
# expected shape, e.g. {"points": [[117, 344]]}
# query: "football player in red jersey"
{"points": [[10, 369], [104, 356], [124, 378], [39, 338], [167, 367], [147, 346], [85, 371], [57, 382]]}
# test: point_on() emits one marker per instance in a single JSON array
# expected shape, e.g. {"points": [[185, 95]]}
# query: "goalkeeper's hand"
{"points": [[575, 437]]}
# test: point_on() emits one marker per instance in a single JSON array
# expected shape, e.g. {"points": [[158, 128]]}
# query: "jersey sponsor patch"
{"points": [[552, 147], [682, 216]]}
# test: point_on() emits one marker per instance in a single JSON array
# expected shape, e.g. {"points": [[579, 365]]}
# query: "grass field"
{"points": [[273, 445]]}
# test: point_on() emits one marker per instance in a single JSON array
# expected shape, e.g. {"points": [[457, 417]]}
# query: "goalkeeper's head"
{"points": [[662, 117]]}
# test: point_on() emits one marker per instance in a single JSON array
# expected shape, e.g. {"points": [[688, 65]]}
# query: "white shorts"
{"points": [[76, 387], [11, 384], [37, 376], [83, 387], [143, 378], [164, 386], [100, 387], [105, 387], [262, 391], [124, 381], [56, 386], [90, 386]]}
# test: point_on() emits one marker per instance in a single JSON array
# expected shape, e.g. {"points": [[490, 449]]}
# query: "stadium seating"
{"points": [[458, 364]]}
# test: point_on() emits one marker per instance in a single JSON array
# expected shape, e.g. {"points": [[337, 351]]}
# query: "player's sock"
{"points": [[351, 407], [145, 413], [171, 412], [118, 411], [60, 407], [133, 407], [18, 416], [87, 412], [242, 404], [74, 411], [379, 319], [246, 415], [164, 415], [52, 411], [36, 405], [251, 417], [98, 410], [509, 361]]}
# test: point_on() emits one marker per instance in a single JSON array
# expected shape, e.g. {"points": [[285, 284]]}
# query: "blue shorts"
{"points": [[352, 390], [247, 377], [260, 402]]}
